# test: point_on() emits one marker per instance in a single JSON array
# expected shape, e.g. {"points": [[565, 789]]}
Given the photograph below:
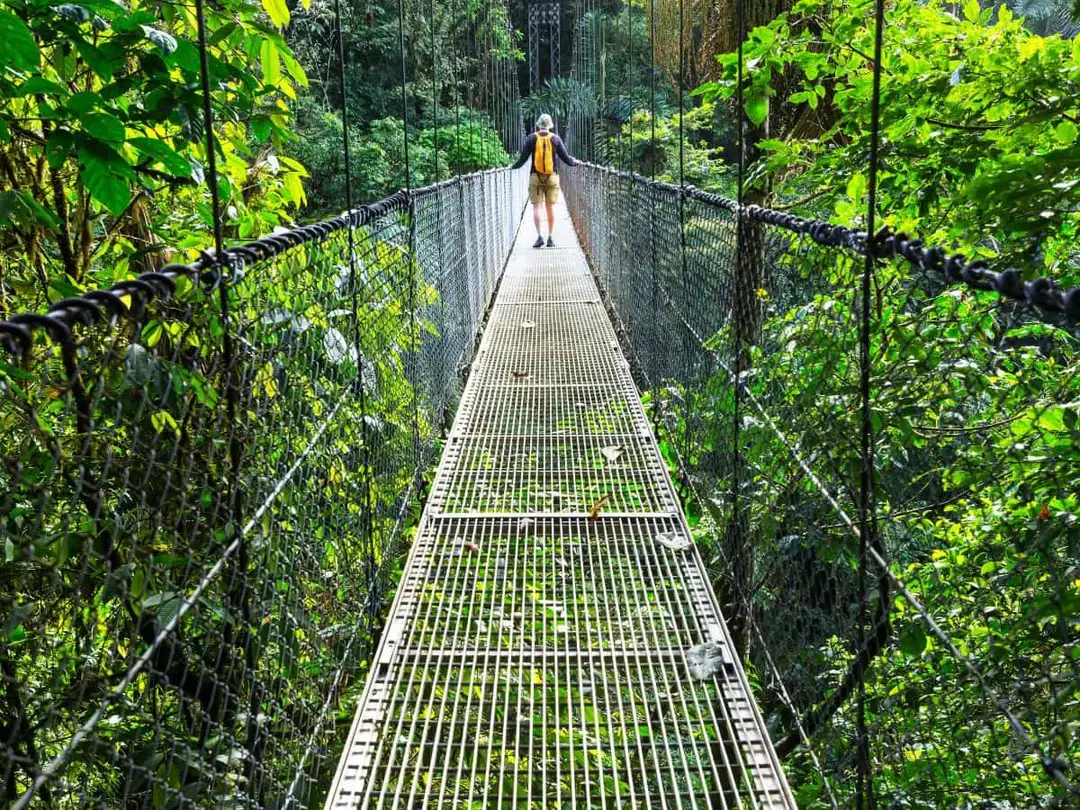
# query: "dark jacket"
{"points": [[530, 147]]}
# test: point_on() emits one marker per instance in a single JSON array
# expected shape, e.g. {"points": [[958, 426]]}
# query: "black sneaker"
{"points": [[539, 242], [551, 242]]}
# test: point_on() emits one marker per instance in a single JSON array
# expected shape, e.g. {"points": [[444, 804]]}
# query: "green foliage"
{"points": [[655, 150], [446, 58], [97, 567], [978, 119], [120, 491], [560, 97], [102, 142], [973, 406]]}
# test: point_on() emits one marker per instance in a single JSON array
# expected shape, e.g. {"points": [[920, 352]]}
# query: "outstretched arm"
{"points": [[526, 150], [564, 156]]}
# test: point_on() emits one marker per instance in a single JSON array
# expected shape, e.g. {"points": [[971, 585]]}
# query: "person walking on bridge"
{"points": [[545, 148]]}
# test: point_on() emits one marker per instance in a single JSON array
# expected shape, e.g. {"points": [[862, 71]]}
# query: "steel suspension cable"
{"points": [[864, 790], [404, 93], [486, 62], [687, 399], [630, 85], [221, 267], [367, 533], [411, 249], [434, 88], [652, 88], [367, 536]]}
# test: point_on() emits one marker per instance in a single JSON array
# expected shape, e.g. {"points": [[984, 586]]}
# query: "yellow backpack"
{"points": [[543, 157]]}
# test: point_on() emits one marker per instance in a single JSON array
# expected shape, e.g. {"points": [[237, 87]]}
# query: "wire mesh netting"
{"points": [[745, 335], [555, 642], [206, 478]]}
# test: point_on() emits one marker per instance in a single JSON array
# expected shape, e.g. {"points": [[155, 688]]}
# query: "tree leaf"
{"points": [[676, 541], [757, 109], [612, 453], [165, 42], [103, 126], [37, 84], [1065, 132], [83, 102], [277, 11], [73, 12], [19, 47], [162, 421], [103, 182], [271, 62], [913, 642], [293, 68], [164, 154]]}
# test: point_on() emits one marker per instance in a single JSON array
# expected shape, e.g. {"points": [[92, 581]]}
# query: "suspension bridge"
{"points": [[536, 653], [393, 510]]}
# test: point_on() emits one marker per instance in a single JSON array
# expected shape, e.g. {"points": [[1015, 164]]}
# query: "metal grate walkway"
{"points": [[535, 657]]}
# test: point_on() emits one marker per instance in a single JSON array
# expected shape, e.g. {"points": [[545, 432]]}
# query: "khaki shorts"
{"points": [[543, 187]]}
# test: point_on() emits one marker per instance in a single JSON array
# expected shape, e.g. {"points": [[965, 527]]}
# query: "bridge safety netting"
{"points": [[744, 330], [207, 475]]}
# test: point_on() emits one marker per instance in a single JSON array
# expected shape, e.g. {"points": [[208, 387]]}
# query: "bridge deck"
{"points": [[535, 657]]}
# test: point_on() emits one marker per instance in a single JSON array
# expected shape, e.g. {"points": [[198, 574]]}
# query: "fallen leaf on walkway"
{"points": [[528, 325], [676, 541], [704, 660], [517, 375], [594, 510], [612, 453]]}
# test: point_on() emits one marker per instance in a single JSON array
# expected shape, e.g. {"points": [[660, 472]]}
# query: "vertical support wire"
{"points": [[486, 61], [630, 85], [439, 236], [457, 108], [221, 261], [221, 267], [740, 273], [366, 526], [411, 249], [404, 94], [867, 501], [687, 339], [470, 50], [434, 88], [652, 90], [654, 401]]}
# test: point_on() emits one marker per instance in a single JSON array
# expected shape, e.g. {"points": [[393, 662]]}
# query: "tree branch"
{"points": [[964, 127]]}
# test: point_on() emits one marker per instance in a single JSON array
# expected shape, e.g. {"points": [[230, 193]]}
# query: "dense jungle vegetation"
{"points": [[108, 532], [975, 410], [102, 170]]}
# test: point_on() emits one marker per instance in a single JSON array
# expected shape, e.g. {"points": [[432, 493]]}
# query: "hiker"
{"points": [[543, 146]]}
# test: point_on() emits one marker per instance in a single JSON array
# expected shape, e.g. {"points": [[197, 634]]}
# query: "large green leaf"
{"points": [[103, 180], [164, 154], [166, 42], [19, 48], [271, 62], [103, 126], [757, 109], [277, 11]]}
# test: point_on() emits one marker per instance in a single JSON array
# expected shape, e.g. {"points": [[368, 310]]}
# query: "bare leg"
{"points": [[551, 218], [536, 218]]}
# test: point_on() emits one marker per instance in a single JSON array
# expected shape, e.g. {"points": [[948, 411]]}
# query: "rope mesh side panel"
{"points": [[162, 650], [947, 723]]}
